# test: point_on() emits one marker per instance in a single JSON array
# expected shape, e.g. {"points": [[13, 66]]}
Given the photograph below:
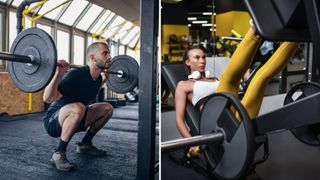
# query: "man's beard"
{"points": [[101, 65]]}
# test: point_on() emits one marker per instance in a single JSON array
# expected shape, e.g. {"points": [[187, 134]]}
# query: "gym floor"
{"points": [[26, 149], [289, 159]]}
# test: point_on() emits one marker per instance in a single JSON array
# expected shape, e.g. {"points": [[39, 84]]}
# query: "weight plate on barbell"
{"points": [[309, 134], [231, 158], [130, 78], [33, 77]]}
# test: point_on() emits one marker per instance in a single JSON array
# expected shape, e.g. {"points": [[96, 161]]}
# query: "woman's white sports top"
{"points": [[203, 89]]}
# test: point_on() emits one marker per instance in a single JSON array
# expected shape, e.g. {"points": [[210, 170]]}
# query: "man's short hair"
{"points": [[92, 49]]}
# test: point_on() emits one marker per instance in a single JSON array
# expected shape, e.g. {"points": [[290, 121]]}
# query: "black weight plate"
{"points": [[309, 134], [130, 78], [231, 158], [39, 44]]}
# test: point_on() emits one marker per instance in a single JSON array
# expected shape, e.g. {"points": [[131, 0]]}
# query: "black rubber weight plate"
{"points": [[39, 44], [309, 134], [231, 158], [129, 80]]}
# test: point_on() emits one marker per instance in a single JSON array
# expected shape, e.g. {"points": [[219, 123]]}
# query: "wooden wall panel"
{"points": [[13, 101]]}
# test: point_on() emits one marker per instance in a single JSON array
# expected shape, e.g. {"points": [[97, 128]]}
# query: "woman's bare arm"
{"points": [[182, 90]]}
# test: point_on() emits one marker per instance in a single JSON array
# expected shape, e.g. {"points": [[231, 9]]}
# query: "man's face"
{"points": [[103, 57]]}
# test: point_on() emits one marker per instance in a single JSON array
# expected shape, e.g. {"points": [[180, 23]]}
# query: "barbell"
{"points": [[228, 143], [32, 62]]}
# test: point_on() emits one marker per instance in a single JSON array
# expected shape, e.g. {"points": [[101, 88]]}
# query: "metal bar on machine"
{"points": [[191, 141], [299, 113]]}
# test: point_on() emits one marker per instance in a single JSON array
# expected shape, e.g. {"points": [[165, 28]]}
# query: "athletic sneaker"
{"points": [[89, 149], [61, 161]]}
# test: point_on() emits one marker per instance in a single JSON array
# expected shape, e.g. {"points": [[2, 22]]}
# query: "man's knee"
{"points": [[77, 110], [107, 109]]}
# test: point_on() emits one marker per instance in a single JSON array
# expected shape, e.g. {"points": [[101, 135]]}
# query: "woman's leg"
{"points": [[239, 64], [253, 97]]}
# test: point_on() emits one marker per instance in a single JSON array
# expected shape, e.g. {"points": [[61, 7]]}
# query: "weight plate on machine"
{"points": [[130, 78], [231, 158], [33, 77], [309, 134]]}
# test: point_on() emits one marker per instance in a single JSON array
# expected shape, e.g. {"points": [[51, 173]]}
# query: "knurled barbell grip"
{"points": [[191, 141]]}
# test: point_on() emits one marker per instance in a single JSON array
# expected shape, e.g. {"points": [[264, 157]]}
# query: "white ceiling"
{"points": [[128, 9]]}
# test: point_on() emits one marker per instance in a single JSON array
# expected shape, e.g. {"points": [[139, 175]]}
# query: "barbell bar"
{"points": [[15, 57], [32, 62], [118, 73], [191, 141]]}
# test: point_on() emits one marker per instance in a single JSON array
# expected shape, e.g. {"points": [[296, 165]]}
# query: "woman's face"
{"points": [[196, 60]]}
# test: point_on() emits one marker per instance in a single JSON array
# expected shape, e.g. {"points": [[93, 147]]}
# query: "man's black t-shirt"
{"points": [[76, 85]]}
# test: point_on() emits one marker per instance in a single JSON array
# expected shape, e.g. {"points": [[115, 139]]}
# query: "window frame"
{"points": [[83, 35], [66, 30]]}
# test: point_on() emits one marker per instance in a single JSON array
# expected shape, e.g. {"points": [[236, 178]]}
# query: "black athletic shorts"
{"points": [[53, 127]]}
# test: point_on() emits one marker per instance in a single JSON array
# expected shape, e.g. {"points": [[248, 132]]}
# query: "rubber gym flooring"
{"points": [[26, 149], [289, 158]]}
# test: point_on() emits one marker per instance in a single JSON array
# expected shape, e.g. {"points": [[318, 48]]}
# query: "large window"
{"points": [[90, 40], [50, 5], [134, 54], [78, 50], [89, 17], [45, 28], [113, 48], [73, 11], [2, 63], [63, 45], [134, 42], [134, 32], [121, 49], [103, 21], [12, 27], [1, 31], [81, 17]]}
